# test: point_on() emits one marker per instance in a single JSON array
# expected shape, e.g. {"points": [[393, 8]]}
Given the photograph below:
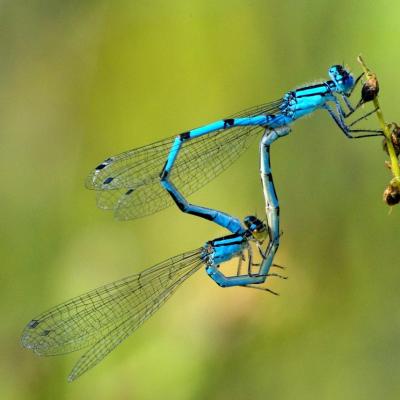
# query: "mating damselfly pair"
{"points": [[148, 179]]}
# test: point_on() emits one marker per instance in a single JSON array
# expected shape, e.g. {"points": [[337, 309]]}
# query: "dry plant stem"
{"points": [[392, 154]]}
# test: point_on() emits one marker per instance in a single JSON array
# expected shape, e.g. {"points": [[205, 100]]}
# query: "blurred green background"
{"points": [[80, 81]]}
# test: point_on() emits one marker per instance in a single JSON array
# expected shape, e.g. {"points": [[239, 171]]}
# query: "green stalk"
{"points": [[392, 154]]}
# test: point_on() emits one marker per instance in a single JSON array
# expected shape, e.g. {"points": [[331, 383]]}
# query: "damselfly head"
{"points": [[342, 78], [256, 228]]}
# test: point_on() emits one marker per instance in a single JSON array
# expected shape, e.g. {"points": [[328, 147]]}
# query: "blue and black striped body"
{"points": [[301, 102], [131, 182], [128, 183], [293, 105], [219, 251]]}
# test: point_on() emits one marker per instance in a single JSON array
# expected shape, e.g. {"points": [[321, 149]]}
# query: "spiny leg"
{"points": [[363, 117], [256, 286], [250, 263], [239, 267], [277, 275], [345, 115], [339, 120], [346, 100], [261, 288], [278, 266], [341, 115]]}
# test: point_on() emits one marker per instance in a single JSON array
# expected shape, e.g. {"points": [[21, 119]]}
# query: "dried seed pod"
{"points": [[370, 88], [395, 138], [391, 195]]}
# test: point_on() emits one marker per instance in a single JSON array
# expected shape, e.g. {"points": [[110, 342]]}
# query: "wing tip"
{"points": [[27, 339], [25, 342], [89, 182], [72, 377]]}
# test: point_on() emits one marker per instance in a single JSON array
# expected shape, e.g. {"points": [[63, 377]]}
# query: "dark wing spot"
{"points": [[108, 180], [33, 324], [45, 332], [129, 192], [101, 166], [104, 164]]}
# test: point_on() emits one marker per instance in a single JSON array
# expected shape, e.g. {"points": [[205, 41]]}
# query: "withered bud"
{"points": [[391, 195], [370, 88], [394, 137]]}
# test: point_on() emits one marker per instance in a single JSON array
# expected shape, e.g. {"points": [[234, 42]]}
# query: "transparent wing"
{"points": [[129, 183], [104, 317]]}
